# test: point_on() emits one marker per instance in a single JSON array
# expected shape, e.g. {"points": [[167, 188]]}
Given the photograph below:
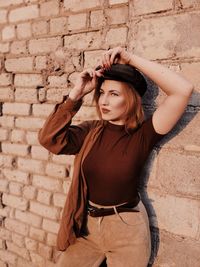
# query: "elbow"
{"points": [[189, 89]]}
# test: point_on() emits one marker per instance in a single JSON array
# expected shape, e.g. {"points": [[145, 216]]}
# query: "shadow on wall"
{"points": [[186, 118]]}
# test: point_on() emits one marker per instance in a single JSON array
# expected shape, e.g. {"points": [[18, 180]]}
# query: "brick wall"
{"points": [[43, 45]]}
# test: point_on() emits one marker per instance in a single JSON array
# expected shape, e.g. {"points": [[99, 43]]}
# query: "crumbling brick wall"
{"points": [[43, 45]]}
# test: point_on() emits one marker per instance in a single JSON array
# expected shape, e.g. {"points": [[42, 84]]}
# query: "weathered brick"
{"points": [[29, 192], [16, 109], [18, 240], [178, 174], [28, 80], [3, 185], [117, 15], [50, 226], [143, 7], [37, 259], [76, 22], [39, 28], [44, 211], [10, 2], [171, 251], [3, 16], [28, 218], [29, 123], [18, 47], [63, 159], [15, 149], [8, 257], [37, 234], [30, 165], [32, 138], [38, 152], [26, 95], [49, 8], [3, 134], [47, 183], [56, 94], [40, 62], [8, 33], [24, 13], [55, 170], [16, 175], [176, 215], [5, 234], [87, 113], [78, 5], [190, 3], [92, 58], [23, 30], [45, 251], [24, 263], [16, 226], [176, 37], [5, 212], [22, 252], [51, 239], [4, 47], [57, 81], [6, 161], [113, 2], [66, 185], [31, 244], [17, 136], [15, 188], [42, 110], [190, 71], [7, 121], [23, 64], [83, 41], [59, 200], [6, 94], [117, 36], [5, 79], [44, 45], [14, 201], [97, 18], [44, 197], [58, 25]]}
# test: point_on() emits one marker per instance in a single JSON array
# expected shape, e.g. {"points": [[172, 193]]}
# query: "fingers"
{"points": [[111, 56]]}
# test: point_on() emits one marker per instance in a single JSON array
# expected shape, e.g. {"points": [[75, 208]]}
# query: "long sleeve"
{"points": [[58, 135]]}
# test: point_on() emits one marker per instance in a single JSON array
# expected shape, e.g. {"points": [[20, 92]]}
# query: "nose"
{"points": [[104, 100]]}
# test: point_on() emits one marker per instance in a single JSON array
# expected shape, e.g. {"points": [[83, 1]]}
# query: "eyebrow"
{"points": [[111, 91]]}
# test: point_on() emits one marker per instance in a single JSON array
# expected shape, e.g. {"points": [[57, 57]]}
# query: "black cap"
{"points": [[125, 73]]}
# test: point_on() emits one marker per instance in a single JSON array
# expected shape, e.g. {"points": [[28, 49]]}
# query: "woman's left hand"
{"points": [[115, 55]]}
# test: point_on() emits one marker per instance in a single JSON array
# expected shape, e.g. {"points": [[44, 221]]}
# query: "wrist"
{"points": [[74, 96]]}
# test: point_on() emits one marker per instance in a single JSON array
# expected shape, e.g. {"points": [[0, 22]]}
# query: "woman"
{"points": [[103, 216]]}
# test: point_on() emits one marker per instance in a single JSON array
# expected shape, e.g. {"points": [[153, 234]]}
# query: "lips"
{"points": [[105, 110]]}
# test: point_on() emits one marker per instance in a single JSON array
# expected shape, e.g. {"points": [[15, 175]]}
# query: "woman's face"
{"points": [[112, 102]]}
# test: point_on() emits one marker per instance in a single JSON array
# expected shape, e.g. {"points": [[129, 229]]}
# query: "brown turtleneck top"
{"points": [[113, 165]]}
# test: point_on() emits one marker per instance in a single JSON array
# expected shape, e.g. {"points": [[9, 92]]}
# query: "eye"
{"points": [[114, 94]]}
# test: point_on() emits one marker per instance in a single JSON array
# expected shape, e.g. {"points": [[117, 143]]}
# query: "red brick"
{"points": [[23, 64], [49, 8], [24, 13]]}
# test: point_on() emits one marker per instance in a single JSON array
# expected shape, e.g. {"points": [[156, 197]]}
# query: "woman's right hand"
{"points": [[85, 83]]}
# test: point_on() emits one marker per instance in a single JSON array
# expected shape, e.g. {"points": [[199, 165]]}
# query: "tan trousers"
{"points": [[123, 239]]}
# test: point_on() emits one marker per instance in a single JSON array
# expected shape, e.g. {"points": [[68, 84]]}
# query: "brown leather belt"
{"points": [[100, 212]]}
